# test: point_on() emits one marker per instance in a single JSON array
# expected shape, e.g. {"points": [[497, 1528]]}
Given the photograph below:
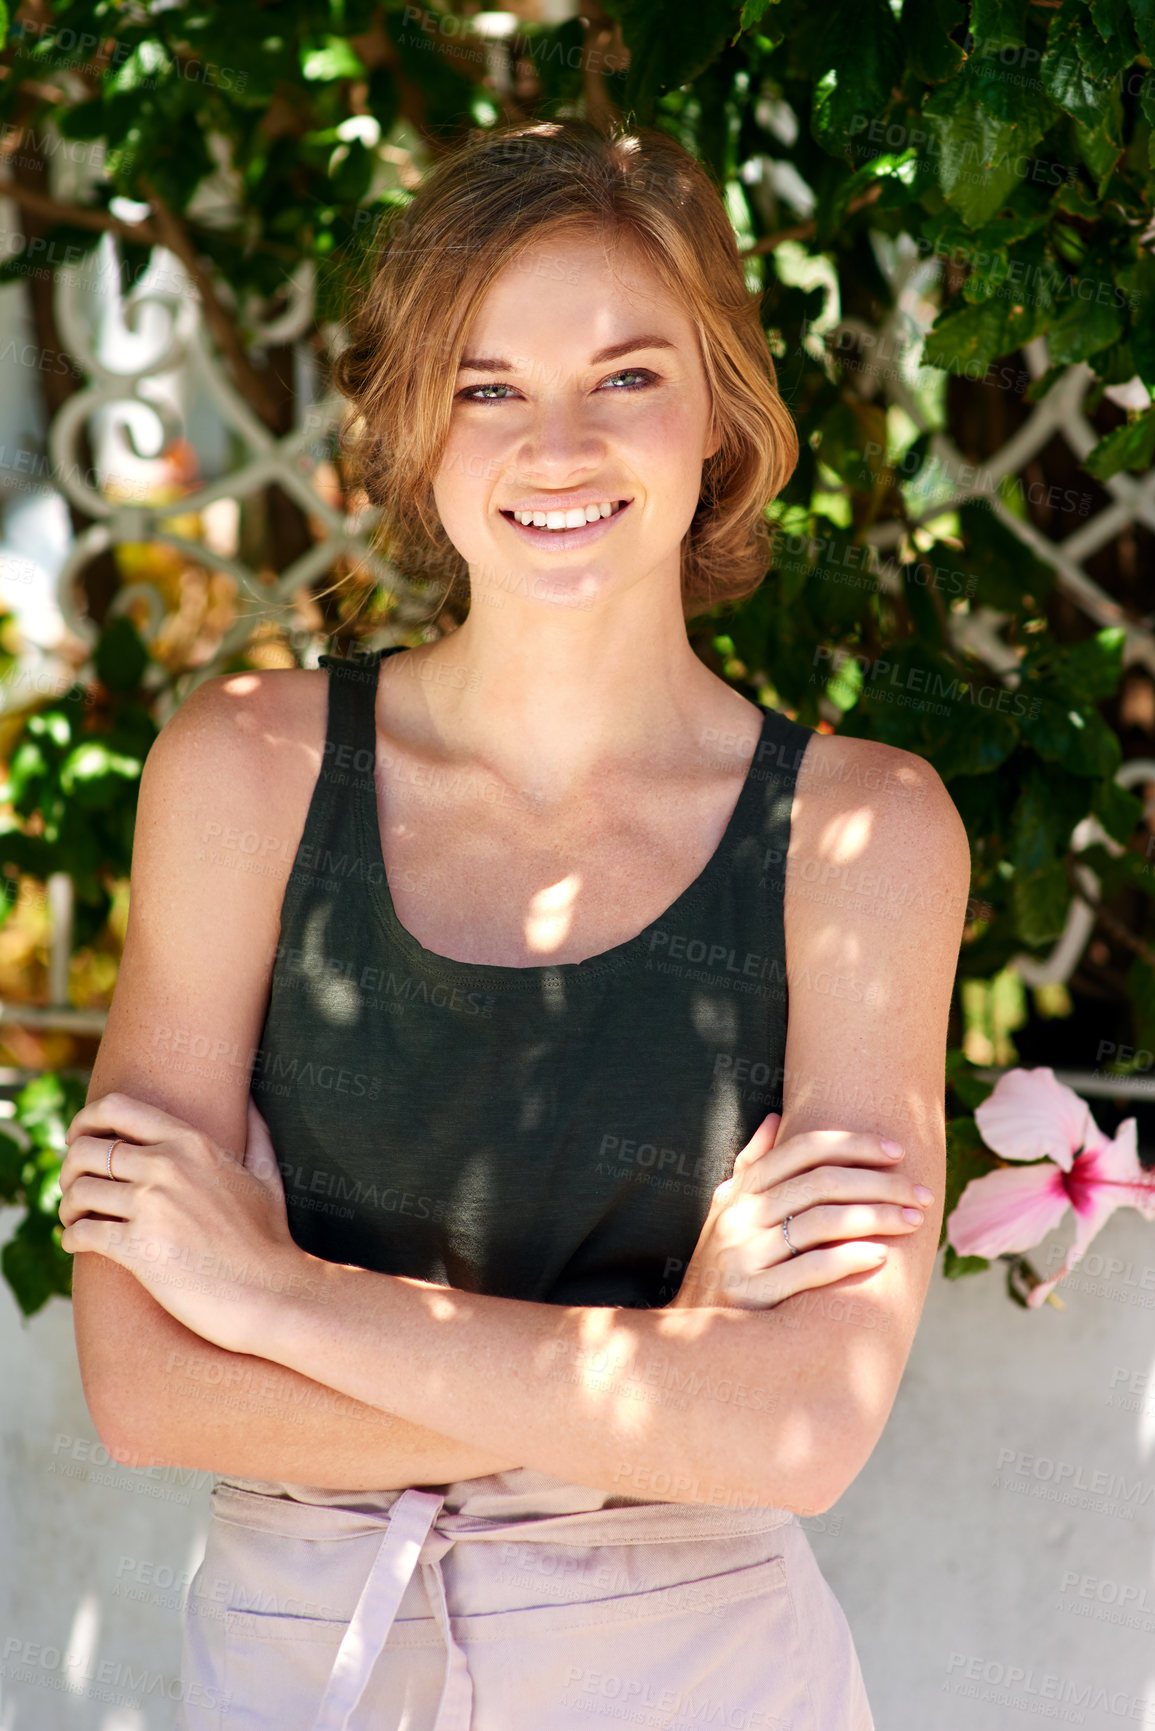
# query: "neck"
{"points": [[550, 699]]}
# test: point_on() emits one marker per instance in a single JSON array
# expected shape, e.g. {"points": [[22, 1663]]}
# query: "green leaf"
{"points": [[1092, 319], [966, 341], [1040, 829], [90, 773], [121, 656], [753, 13], [998, 23], [1129, 447], [34, 1265], [149, 64], [999, 569], [46, 1106], [12, 1158], [956, 1267], [1100, 141], [668, 46], [976, 152], [860, 64], [961, 1078], [1141, 989], [925, 30], [1113, 18], [967, 1157], [1117, 809], [977, 739], [1137, 280], [1040, 902], [1078, 739], [1143, 17], [1091, 670], [335, 58]]}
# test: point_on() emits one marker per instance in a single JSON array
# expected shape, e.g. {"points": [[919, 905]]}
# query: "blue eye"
{"points": [[471, 395], [482, 393], [633, 373]]}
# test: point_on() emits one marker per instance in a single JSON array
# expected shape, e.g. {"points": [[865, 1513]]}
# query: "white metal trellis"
{"points": [[1059, 412], [289, 461]]}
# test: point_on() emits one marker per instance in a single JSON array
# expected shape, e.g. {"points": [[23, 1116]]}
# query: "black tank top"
{"points": [[552, 1133]]}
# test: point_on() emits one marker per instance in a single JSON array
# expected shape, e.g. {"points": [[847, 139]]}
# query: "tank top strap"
{"points": [[332, 843], [351, 730]]}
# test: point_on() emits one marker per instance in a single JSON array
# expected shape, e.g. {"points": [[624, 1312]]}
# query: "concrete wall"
{"points": [[1004, 1525]]}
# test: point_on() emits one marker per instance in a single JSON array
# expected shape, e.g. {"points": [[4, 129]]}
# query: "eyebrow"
{"points": [[631, 345]]}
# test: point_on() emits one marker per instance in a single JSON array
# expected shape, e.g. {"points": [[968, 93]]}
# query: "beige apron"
{"points": [[514, 1602]]}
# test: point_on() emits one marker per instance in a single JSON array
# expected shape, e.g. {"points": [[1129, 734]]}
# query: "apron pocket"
{"points": [[720, 1650], [277, 1667]]}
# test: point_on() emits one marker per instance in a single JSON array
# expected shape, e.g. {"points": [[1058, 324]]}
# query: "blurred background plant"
{"points": [[946, 212]]}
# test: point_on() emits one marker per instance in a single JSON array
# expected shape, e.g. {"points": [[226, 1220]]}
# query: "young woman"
{"points": [[582, 1268]]}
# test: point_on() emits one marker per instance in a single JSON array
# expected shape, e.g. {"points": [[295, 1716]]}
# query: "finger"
{"points": [[833, 1225], [99, 1196], [122, 1115], [106, 1237], [761, 1142], [813, 1148], [801, 1273], [89, 1154], [824, 1185]]}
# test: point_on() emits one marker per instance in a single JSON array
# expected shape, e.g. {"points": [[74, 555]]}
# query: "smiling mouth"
{"points": [[547, 522]]}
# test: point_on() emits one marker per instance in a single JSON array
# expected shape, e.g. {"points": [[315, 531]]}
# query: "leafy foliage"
{"points": [[32, 1261]]}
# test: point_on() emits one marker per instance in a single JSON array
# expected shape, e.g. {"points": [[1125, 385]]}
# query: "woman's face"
{"points": [[581, 386]]}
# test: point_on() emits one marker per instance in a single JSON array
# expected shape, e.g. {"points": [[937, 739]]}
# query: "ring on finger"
{"points": [[113, 1146], [792, 1248]]}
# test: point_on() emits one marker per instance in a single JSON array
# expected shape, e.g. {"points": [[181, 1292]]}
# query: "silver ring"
{"points": [[792, 1248], [111, 1151]]}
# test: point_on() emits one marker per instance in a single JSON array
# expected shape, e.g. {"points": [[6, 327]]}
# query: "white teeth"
{"points": [[572, 519]]}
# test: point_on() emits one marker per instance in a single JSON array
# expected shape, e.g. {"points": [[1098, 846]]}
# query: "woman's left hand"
{"points": [[203, 1231]]}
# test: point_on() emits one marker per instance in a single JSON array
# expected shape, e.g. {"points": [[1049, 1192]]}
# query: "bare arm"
{"points": [[780, 1407], [187, 1013]]}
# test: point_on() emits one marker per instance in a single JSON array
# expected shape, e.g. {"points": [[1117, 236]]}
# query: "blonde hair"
{"points": [[477, 209]]}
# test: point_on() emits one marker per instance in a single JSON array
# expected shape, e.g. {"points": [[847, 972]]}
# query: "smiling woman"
{"points": [[596, 1192]]}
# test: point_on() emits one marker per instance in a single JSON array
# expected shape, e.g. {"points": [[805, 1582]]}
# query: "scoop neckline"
{"points": [[535, 974]]}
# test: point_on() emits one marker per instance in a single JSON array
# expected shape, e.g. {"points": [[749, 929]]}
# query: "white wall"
{"points": [[947, 1564]]}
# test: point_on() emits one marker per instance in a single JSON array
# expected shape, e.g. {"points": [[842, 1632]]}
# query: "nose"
{"points": [[561, 441]]}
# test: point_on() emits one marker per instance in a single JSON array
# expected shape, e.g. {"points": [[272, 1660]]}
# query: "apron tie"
{"points": [[408, 1539]]}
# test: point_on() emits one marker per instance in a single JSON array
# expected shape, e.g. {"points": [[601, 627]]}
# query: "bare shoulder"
{"points": [[226, 790], [861, 803], [248, 724]]}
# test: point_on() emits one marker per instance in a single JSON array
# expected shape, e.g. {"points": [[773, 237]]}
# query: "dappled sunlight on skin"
{"points": [[848, 836], [551, 913], [607, 1379]]}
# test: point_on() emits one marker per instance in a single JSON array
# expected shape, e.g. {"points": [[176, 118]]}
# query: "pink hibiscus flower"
{"points": [[1030, 1116]]}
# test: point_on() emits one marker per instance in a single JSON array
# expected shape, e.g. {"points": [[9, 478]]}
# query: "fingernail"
{"points": [[923, 1194], [891, 1149], [914, 1214]]}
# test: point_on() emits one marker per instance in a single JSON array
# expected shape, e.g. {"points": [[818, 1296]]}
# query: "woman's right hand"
{"points": [[840, 1190]]}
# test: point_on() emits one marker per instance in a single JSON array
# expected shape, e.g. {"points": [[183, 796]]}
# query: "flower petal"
{"points": [[1011, 1209], [1106, 1178], [1115, 1166], [1029, 1115]]}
